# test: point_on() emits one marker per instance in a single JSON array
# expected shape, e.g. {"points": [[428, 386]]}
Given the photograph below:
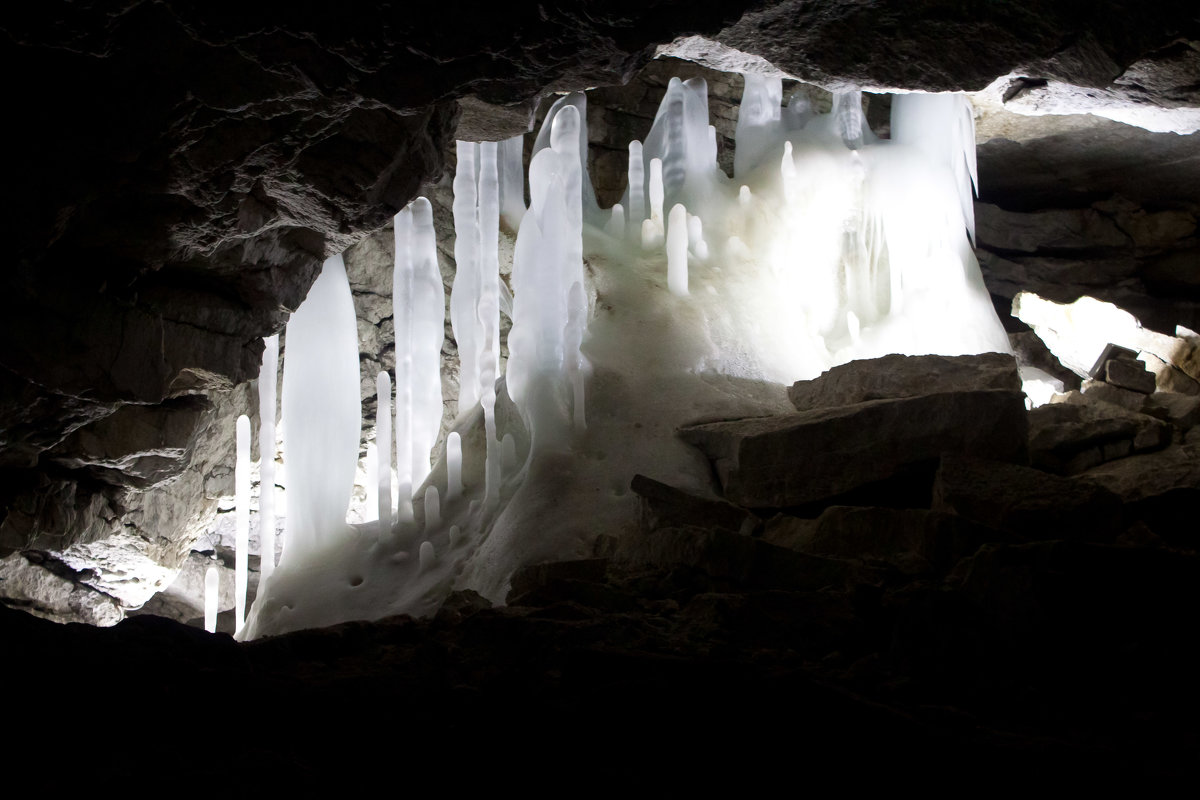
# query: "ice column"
{"points": [[637, 189], [464, 295], [241, 488], [323, 412], [758, 122], [212, 596], [383, 446], [546, 264], [267, 377], [418, 311], [454, 484], [677, 251]]}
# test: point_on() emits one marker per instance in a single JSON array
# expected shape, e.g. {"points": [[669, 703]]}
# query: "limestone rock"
{"points": [[1181, 410], [1161, 488], [1072, 436], [1046, 231], [1027, 503], [915, 541], [1129, 374], [791, 460], [1100, 391], [664, 506], [896, 376]]}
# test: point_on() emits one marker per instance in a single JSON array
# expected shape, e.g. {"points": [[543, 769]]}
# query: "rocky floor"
{"points": [[966, 621]]}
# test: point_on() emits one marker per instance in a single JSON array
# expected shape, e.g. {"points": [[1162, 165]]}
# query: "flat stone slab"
{"points": [[895, 376], [795, 459]]}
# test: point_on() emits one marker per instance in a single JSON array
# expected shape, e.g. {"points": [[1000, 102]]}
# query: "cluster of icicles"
{"points": [[826, 245]]}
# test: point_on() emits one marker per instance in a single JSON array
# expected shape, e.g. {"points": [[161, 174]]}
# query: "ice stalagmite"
{"points": [[544, 269], [677, 251], [418, 311], [383, 450], [322, 412], [758, 120], [454, 484], [267, 377], [636, 190], [212, 597], [241, 483]]}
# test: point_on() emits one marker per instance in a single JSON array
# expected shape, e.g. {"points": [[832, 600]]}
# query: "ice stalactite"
{"points": [[454, 484], [677, 251], [241, 482], [635, 192], [512, 181], [267, 407], [418, 313], [323, 415]]}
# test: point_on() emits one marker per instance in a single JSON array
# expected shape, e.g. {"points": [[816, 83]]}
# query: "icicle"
{"points": [[677, 242], [508, 453], [512, 181], [653, 228], [455, 536], [758, 122], [383, 451], [454, 484], [212, 596], [241, 483], [848, 116], [425, 556], [572, 342], [267, 377], [489, 318]]}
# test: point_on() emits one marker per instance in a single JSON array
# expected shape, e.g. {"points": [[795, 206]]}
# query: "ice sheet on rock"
{"points": [[267, 406]]}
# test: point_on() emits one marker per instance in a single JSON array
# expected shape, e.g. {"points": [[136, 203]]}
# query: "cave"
{"points": [[960, 567]]}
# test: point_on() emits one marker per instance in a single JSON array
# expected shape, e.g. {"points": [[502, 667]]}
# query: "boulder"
{"points": [[1071, 436], [1129, 374], [1027, 503], [1101, 392], [914, 541], [815, 456], [1161, 489], [1181, 410], [740, 561], [895, 376], [664, 506]]}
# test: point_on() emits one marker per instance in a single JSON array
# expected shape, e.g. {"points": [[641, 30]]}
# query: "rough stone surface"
{"points": [[1080, 433], [1103, 392], [1129, 374], [1181, 410], [1027, 503], [664, 506], [895, 376], [914, 541], [1162, 489], [777, 462]]}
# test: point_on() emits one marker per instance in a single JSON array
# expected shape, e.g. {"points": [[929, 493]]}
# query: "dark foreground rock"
{"points": [[796, 459]]}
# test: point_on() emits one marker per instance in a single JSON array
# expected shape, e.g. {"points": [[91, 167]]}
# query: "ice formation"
{"points": [[827, 244], [241, 482], [267, 407], [418, 303]]}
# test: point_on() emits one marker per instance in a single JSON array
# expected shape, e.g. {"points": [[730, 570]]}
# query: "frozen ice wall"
{"points": [[702, 296]]}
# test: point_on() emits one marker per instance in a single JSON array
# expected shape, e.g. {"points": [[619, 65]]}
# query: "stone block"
{"points": [[1129, 374], [795, 459]]}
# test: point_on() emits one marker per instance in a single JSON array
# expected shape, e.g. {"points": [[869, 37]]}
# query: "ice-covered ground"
{"points": [[699, 297]]}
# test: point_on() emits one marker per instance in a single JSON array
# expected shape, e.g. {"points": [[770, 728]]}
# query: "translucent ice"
{"points": [[418, 311], [212, 596], [383, 444], [267, 406], [241, 483], [323, 413], [677, 251]]}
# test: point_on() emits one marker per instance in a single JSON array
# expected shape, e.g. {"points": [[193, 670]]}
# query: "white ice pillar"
{"points": [[267, 377], [212, 595], [454, 484], [241, 488], [677, 251], [383, 449]]}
